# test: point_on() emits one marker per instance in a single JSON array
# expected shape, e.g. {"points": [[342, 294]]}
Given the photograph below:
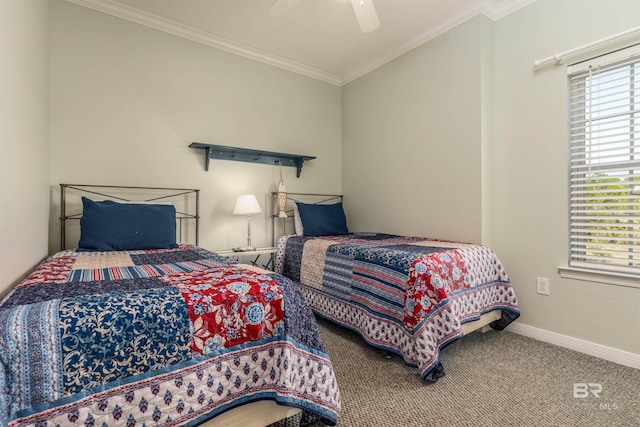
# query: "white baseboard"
{"points": [[603, 352]]}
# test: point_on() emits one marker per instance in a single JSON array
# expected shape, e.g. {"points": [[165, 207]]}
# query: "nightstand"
{"points": [[253, 256]]}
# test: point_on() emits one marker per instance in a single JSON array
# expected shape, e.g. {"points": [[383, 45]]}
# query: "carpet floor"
{"points": [[492, 379]]}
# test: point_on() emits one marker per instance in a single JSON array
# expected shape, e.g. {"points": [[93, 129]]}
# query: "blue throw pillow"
{"points": [[112, 226], [322, 220]]}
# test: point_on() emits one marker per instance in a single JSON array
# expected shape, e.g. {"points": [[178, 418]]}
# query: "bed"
{"points": [[135, 328], [410, 296]]}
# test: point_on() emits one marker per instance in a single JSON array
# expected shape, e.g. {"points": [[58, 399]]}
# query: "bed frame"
{"points": [[255, 414], [187, 201], [313, 198], [481, 324]]}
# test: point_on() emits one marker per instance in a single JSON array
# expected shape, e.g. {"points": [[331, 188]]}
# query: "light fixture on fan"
{"points": [[366, 15], [364, 10]]}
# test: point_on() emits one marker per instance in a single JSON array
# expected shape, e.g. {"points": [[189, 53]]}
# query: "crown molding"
{"points": [[176, 29], [492, 9], [497, 9], [434, 32]]}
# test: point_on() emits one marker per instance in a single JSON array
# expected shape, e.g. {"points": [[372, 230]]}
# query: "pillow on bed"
{"points": [[297, 222], [112, 226], [322, 220]]}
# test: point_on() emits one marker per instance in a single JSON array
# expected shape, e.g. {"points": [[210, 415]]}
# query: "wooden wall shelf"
{"points": [[237, 154]]}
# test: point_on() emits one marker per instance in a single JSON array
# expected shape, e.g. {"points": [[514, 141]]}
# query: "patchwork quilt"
{"points": [[157, 337], [407, 295]]}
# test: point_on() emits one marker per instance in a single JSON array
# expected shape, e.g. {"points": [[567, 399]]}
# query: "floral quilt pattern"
{"points": [[407, 295], [229, 306], [431, 279], [157, 337]]}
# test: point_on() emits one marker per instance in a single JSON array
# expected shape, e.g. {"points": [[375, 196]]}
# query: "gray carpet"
{"points": [[492, 379]]}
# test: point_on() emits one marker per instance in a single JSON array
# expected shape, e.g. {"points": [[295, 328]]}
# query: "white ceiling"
{"points": [[316, 38]]}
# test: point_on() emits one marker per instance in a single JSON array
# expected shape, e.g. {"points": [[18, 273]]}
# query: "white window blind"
{"points": [[604, 122]]}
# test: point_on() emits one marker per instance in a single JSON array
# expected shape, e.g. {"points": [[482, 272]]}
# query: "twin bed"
{"points": [[134, 328], [407, 295]]}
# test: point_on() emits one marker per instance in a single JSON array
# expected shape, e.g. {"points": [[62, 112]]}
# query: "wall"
{"points": [[24, 137], [131, 99], [530, 220], [128, 100], [412, 140], [461, 139]]}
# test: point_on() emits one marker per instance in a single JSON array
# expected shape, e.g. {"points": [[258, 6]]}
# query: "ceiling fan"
{"points": [[364, 10]]}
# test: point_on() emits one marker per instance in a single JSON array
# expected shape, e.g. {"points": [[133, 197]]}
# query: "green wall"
{"points": [[127, 100], [529, 225], [24, 137], [412, 136], [461, 139]]}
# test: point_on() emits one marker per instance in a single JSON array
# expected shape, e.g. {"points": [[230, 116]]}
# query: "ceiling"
{"points": [[316, 38]]}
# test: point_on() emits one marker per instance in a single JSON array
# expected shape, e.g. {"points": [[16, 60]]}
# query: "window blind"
{"points": [[604, 131]]}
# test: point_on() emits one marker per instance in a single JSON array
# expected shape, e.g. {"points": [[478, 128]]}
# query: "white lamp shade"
{"points": [[246, 204]]}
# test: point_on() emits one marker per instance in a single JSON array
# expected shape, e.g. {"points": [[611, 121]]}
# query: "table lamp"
{"points": [[247, 204]]}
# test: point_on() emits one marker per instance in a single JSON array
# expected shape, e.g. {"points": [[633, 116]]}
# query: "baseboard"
{"points": [[603, 352]]}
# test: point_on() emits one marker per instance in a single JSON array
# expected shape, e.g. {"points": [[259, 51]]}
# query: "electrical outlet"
{"points": [[542, 285]]}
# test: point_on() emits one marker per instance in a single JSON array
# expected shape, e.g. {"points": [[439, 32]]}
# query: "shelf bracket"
{"points": [[238, 154]]}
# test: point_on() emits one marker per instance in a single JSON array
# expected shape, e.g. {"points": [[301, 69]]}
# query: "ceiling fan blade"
{"points": [[281, 7], [366, 15]]}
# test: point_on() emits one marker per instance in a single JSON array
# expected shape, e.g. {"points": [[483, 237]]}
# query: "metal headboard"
{"points": [[130, 194], [313, 198]]}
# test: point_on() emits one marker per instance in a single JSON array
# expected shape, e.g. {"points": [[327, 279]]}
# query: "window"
{"points": [[604, 131]]}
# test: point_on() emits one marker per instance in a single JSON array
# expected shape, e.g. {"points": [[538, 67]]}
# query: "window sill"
{"points": [[611, 278]]}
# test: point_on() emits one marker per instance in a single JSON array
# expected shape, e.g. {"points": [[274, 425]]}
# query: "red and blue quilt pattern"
{"points": [[229, 306], [166, 337], [407, 295]]}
